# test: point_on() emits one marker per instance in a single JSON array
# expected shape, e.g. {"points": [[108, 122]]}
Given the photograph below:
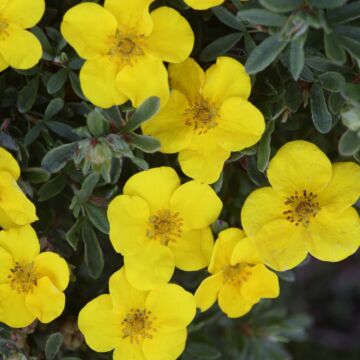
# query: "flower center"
{"points": [[164, 226], [23, 277], [138, 325], [201, 115], [236, 274], [303, 207], [3, 26]]}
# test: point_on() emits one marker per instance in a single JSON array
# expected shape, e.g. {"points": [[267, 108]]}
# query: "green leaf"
{"points": [[349, 143], [88, 187], [262, 17], [264, 54], [200, 351], [96, 122], [53, 345], [220, 46], [336, 103], [93, 255], [75, 84], [297, 56], [56, 81], [287, 276], [281, 6], [52, 188], [346, 13], [143, 113], [53, 108], [62, 129], [73, 235], [57, 158], [320, 114], [264, 148], [228, 18], [27, 95], [36, 175], [332, 81], [145, 143], [33, 134], [98, 217], [352, 46], [327, 4], [293, 96], [333, 48]]}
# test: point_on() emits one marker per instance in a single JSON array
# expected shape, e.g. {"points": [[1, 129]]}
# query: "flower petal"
{"points": [[344, 187], [46, 301], [165, 346], [197, 204], [88, 28], [100, 324], [13, 310], [169, 125], [261, 284], [261, 206], [24, 13], [246, 252], [128, 217], [51, 265], [203, 4], [187, 77], [193, 250], [168, 26], [165, 301], [223, 249], [98, 82], [153, 265], [9, 164], [297, 166], [6, 263], [145, 78], [281, 244], [225, 79], [126, 350], [333, 236], [20, 48], [142, 184], [208, 291], [21, 242], [132, 15], [240, 124], [3, 64]]}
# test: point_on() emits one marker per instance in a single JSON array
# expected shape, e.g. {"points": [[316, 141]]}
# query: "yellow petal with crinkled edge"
{"points": [[208, 291], [13, 310], [9, 164], [126, 350], [240, 125], [98, 82], [297, 166], [203, 4], [46, 301], [262, 283], [246, 252], [145, 78], [21, 242], [187, 77], [128, 218], [193, 249], [223, 249], [51, 265], [165, 303], [226, 79], [281, 244], [333, 236], [165, 346], [260, 207], [25, 13], [169, 125], [164, 179], [153, 265], [3, 64], [20, 48], [344, 187], [89, 28], [131, 15], [170, 25], [197, 205], [100, 324]]}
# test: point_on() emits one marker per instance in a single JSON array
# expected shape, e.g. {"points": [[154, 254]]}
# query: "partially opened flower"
{"points": [[31, 283], [15, 208], [158, 224], [124, 46], [307, 209], [203, 4], [19, 48], [139, 325], [207, 117], [238, 277]]}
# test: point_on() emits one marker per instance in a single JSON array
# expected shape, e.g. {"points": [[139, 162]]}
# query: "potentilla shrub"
{"points": [[169, 169]]}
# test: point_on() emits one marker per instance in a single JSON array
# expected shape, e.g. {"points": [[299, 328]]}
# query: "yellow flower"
{"points": [[158, 224], [203, 4], [31, 284], [19, 48], [15, 208], [307, 209], [207, 117], [124, 46], [239, 280], [139, 325]]}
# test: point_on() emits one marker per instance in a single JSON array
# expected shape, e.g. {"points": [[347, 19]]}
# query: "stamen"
{"points": [[236, 274], [23, 277]]}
